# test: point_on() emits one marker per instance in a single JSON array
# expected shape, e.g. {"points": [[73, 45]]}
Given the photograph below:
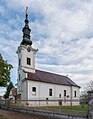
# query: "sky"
{"points": [[62, 30]]}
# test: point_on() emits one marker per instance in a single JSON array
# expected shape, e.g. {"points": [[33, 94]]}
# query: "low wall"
{"points": [[48, 114]]}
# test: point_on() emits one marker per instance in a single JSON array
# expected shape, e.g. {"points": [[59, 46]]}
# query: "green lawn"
{"points": [[79, 108], [70, 110], [2, 117]]}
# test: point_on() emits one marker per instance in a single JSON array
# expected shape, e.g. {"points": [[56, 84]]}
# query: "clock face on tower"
{"points": [[28, 48]]}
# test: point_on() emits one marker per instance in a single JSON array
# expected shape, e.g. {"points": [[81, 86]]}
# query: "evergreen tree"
{"points": [[4, 72], [9, 87]]}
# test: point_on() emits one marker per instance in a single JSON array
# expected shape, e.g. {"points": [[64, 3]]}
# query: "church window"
{"points": [[28, 61], [33, 89], [64, 92], [50, 92], [74, 93], [59, 95]]}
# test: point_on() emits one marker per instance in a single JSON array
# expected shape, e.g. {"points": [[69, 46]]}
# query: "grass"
{"points": [[69, 110], [78, 108], [3, 117]]}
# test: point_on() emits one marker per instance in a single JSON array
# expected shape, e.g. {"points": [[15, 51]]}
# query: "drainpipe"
{"points": [[71, 94], [26, 92], [39, 93]]}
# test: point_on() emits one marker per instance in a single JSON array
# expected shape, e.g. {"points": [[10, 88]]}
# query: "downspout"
{"points": [[26, 91], [71, 95], [39, 94]]}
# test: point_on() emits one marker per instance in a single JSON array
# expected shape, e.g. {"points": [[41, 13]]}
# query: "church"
{"points": [[39, 85]]}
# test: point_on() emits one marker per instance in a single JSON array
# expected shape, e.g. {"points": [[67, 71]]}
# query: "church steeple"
{"points": [[26, 31]]}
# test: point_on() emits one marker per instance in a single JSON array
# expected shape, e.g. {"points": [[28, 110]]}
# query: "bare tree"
{"points": [[90, 86], [84, 94]]}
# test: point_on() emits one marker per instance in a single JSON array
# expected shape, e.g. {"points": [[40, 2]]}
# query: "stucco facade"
{"points": [[42, 93]]}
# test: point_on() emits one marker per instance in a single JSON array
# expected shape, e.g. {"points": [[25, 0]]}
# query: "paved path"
{"points": [[17, 115]]}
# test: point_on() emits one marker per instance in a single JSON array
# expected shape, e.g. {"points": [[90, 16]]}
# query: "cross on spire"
{"points": [[26, 12]]}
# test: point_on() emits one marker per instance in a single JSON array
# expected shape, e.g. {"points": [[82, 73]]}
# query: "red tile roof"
{"points": [[47, 77]]}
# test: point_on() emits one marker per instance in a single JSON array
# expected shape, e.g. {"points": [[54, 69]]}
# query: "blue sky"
{"points": [[62, 31]]}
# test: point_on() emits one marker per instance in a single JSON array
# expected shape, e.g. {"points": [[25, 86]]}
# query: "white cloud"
{"points": [[2, 10], [62, 31]]}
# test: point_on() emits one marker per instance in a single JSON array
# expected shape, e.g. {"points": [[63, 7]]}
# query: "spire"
{"points": [[26, 31]]}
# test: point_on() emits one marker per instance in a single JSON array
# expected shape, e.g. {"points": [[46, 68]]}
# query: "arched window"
{"points": [[50, 92], [75, 94], [28, 61], [64, 92], [33, 89]]}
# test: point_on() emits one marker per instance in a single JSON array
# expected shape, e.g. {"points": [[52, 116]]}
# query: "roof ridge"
{"points": [[44, 76], [51, 73]]}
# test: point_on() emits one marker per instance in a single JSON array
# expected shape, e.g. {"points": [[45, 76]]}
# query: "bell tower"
{"points": [[26, 54]]}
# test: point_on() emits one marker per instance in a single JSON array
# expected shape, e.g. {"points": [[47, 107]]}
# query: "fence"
{"points": [[65, 107]]}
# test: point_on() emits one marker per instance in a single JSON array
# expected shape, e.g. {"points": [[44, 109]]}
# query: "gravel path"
{"points": [[17, 115]]}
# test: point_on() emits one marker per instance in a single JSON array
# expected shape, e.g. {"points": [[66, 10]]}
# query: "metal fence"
{"points": [[67, 107]]}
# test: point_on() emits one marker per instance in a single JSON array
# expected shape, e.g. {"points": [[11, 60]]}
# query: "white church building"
{"points": [[38, 85]]}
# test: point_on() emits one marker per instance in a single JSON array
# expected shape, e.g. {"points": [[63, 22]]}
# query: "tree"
{"points": [[90, 86], [9, 87], [84, 94], [84, 97], [4, 72]]}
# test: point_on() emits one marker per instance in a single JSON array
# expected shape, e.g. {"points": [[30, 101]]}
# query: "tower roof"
{"points": [[26, 31]]}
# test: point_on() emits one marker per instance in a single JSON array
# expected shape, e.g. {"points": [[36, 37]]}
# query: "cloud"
{"points": [[61, 30], [2, 10]]}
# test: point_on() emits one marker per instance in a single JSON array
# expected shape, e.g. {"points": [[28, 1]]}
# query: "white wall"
{"points": [[77, 92], [22, 76], [42, 90], [30, 55], [24, 91], [23, 54]]}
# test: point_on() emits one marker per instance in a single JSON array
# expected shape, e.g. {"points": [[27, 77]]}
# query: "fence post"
{"points": [[90, 104]]}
